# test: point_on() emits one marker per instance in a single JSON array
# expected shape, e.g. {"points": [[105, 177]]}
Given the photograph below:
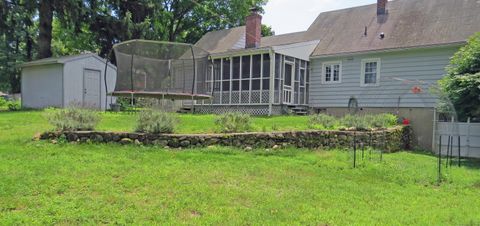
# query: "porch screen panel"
{"points": [[235, 80], [217, 69], [256, 79], [288, 74], [265, 79], [296, 89], [226, 81], [277, 82], [245, 83], [307, 83]]}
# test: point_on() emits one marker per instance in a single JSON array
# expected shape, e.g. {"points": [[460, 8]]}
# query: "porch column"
{"points": [[272, 82]]}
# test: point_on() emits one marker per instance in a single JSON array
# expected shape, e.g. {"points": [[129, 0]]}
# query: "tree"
{"points": [[43, 28], [461, 86], [45, 10], [16, 46], [267, 31], [69, 12]]}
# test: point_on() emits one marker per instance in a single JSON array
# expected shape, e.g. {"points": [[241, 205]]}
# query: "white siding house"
{"points": [[388, 57], [65, 81]]}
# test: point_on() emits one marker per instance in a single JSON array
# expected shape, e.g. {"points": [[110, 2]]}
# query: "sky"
{"points": [[286, 16]]}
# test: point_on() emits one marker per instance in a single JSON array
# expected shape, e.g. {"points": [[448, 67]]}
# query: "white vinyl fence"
{"points": [[469, 138]]}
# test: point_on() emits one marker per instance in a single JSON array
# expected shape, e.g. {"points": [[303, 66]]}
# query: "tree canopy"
{"points": [[462, 84], [35, 29]]}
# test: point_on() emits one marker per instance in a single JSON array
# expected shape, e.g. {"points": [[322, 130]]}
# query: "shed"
{"points": [[65, 81]]}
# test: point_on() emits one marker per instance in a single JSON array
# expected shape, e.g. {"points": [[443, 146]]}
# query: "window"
{"points": [[370, 72], [332, 72]]}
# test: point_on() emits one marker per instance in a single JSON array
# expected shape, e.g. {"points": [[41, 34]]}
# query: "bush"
{"points": [[233, 122], [157, 122], [322, 121], [381, 120], [73, 119], [14, 105], [3, 102], [369, 121], [459, 89], [354, 121]]}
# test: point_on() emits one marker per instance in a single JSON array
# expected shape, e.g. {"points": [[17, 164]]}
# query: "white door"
{"points": [[288, 83], [91, 88]]}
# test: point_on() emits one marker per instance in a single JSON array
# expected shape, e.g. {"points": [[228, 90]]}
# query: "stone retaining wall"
{"points": [[397, 138]]}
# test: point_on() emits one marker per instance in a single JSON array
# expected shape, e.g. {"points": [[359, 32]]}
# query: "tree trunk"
{"points": [[45, 29], [29, 47]]}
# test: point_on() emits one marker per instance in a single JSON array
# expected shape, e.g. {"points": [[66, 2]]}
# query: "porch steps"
{"points": [[185, 110], [299, 110]]}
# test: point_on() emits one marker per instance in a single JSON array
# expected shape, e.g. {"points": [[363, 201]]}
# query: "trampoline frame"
{"points": [[158, 95]]}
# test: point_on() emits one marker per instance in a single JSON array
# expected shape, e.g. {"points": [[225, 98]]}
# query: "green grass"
{"points": [[43, 183], [188, 123]]}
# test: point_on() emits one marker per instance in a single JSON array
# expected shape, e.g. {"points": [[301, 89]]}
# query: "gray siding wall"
{"points": [[42, 86], [400, 71]]}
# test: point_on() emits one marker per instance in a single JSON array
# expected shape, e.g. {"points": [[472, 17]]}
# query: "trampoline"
{"points": [[162, 70]]}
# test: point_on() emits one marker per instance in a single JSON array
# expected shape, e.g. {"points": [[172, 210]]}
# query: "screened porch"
{"points": [[252, 79]]}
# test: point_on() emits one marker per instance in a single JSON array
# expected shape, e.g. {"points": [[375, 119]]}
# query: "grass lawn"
{"points": [[187, 123], [43, 183]]}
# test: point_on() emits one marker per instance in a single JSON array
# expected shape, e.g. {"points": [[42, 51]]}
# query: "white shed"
{"points": [[71, 80]]}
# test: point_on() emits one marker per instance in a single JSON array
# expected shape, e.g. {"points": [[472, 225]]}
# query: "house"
{"points": [[256, 75], [64, 81], [383, 57], [388, 57]]}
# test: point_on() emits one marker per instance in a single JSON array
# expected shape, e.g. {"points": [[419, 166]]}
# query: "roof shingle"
{"points": [[409, 23]]}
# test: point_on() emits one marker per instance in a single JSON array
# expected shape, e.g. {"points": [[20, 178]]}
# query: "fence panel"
{"points": [[469, 138]]}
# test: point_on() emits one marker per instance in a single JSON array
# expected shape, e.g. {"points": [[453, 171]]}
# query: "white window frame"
{"points": [[324, 72], [362, 76]]}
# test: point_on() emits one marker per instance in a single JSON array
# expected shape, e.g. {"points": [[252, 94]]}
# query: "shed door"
{"points": [[91, 88]]}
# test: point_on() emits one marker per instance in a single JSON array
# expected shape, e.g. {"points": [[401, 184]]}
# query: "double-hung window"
{"points": [[370, 75], [332, 72]]}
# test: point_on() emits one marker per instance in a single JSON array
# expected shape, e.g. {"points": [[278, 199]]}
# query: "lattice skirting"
{"points": [[252, 110]]}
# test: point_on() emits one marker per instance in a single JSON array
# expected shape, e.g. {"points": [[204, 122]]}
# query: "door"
{"points": [[288, 83], [91, 88]]}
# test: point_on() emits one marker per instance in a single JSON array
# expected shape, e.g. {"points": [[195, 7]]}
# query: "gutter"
{"points": [[453, 44], [240, 52]]}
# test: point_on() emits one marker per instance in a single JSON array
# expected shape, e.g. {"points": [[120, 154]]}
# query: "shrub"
{"points": [[459, 89], [73, 119], [322, 121], [154, 121], [232, 122], [3, 102], [369, 121], [381, 120], [14, 105], [354, 121]]}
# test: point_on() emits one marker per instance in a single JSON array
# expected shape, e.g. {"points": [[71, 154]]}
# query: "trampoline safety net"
{"points": [[161, 70]]}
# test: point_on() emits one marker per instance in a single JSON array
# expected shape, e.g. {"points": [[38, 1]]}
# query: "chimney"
{"points": [[253, 29], [381, 7]]}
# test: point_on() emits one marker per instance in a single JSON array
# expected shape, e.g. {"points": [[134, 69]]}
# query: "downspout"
{"points": [[272, 81]]}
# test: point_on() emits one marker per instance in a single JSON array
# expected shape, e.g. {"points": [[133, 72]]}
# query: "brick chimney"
{"points": [[253, 29], [382, 7]]}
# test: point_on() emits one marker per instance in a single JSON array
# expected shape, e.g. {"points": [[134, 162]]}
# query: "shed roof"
{"points": [[63, 60], [408, 23]]}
